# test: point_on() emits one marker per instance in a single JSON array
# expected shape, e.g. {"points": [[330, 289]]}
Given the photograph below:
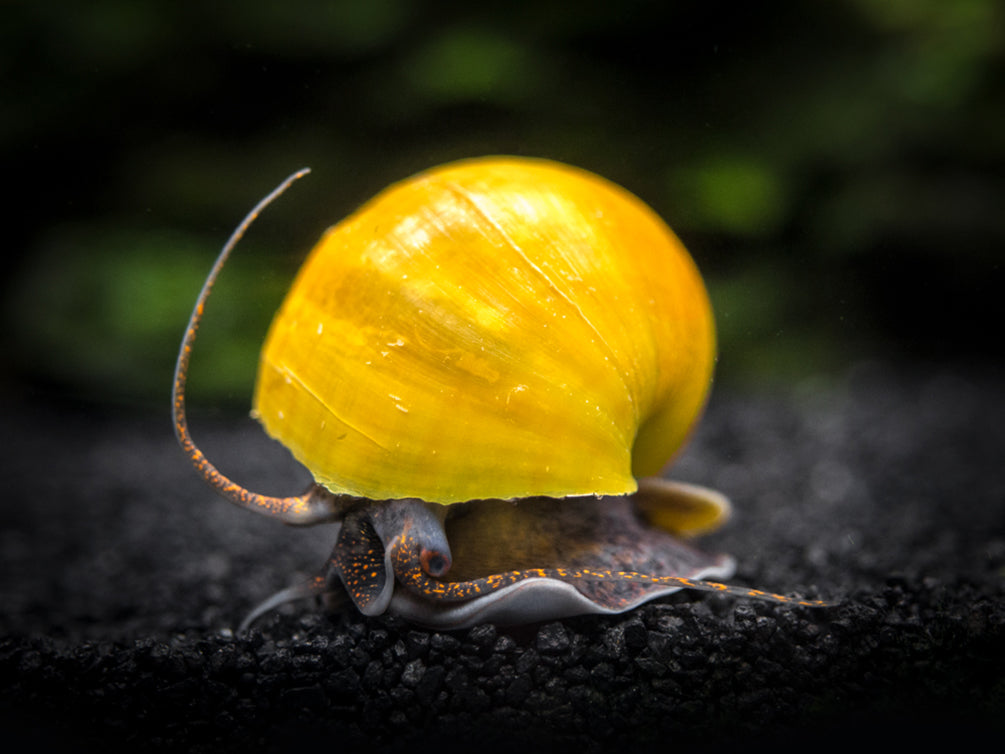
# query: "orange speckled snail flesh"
{"points": [[485, 368]]}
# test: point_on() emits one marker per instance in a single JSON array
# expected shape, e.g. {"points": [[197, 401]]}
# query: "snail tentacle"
{"points": [[409, 571], [314, 506], [316, 587], [361, 558]]}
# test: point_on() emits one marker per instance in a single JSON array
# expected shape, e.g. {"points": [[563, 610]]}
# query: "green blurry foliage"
{"points": [[735, 195], [98, 312], [468, 63], [836, 169]]}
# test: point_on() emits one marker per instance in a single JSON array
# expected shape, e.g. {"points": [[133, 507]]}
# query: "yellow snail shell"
{"points": [[493, 328]]}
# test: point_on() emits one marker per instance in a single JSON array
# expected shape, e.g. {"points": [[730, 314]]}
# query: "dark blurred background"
{"points": [[837, 169]]}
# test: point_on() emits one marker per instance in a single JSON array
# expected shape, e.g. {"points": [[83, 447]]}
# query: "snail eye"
{"points": [[433, 562]]}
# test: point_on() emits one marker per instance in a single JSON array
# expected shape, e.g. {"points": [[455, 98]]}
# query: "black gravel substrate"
{"points": [[884, 491]]}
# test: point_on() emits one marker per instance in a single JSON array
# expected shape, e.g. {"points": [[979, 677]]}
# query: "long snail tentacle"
{"points": [[409, 570], [309, 508]]}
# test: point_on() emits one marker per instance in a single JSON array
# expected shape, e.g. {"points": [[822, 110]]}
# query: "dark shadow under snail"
{"points": [[477, 367]]}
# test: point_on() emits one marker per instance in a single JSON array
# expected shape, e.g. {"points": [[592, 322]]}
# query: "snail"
{"points": [[485, 368]]}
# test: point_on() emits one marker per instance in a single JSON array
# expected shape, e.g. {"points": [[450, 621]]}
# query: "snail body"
{"points": [[478, 367]]}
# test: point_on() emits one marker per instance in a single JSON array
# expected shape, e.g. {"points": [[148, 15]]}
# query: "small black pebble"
{"points": [[552, 639]]}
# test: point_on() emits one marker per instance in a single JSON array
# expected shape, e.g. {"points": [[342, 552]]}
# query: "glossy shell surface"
{"points": [[494, 328]]}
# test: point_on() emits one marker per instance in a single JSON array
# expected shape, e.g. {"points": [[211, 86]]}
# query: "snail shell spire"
{"points": [[493, 328]]}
